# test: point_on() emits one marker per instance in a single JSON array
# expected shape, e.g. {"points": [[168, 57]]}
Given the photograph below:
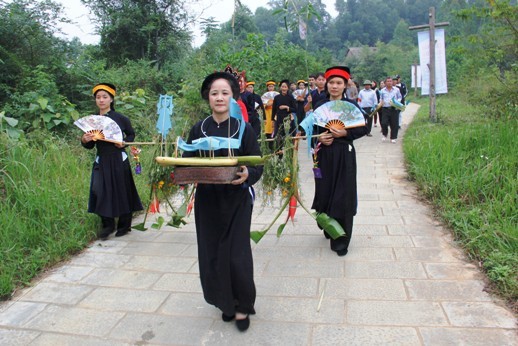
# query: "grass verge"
{"points": [[44, 188], [466, 165]]}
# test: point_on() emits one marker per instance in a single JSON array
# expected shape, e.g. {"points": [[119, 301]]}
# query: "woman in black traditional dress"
{"points": [[284, 105], [335, 191], [112, 190], [300, 98], [223, 212]]}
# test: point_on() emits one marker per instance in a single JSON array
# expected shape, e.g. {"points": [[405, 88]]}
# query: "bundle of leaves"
{"points": [[279, 171]]}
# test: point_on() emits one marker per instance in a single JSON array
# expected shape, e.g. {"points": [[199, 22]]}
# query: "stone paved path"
{"points": [[402, 283]]}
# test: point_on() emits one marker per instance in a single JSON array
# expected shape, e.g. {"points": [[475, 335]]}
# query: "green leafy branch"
{"points": [[281, 174]]}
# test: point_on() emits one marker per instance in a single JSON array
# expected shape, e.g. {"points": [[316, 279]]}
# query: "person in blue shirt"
{"points": [[389, 114]]}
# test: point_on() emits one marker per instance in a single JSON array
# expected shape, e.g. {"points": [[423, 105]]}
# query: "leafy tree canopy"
{"points": [[131, 29]]}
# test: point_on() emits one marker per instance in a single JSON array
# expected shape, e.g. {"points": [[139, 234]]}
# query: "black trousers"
{"points": [[368, 119], [123, 224], [342, 243], [108, 225], [390, 118]]}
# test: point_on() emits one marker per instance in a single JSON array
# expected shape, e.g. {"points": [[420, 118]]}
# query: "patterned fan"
{"points": [[269, 95], [339, 115], [103, 128], [298, 92]]}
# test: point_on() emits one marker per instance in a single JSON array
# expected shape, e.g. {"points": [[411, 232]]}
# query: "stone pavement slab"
{"points": [[403, 281]]}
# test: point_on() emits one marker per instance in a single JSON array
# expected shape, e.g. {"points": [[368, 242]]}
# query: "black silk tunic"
{"points": [[281, 114], [112, 189], [223, 214], [336, 192]]}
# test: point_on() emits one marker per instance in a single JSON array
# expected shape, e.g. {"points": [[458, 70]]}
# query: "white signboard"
{"points": [[441, 84], [416, 76]]}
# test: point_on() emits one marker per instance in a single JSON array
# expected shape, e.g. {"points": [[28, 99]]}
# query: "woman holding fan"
{"points": [[267, 99], [113, 194], [335, 183]]}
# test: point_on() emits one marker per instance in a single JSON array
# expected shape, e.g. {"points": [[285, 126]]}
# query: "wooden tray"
{"points": [[205, 175]]}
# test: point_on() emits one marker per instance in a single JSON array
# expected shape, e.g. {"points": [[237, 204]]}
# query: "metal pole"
{"points": [[431, 14]]}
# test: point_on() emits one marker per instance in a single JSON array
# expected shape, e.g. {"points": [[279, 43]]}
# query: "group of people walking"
{"points": [[382, 103], [223, 212], [275, 106]]}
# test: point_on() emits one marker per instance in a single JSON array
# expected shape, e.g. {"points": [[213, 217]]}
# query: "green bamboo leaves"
{"points": [[330, 225]]}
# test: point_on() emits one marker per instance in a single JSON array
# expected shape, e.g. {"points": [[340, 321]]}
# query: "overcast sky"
{"points": [[221, 10]]}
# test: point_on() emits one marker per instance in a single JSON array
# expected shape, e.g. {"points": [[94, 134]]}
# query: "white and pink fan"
{"points": [[299, 92], [269, 95], [103, 128]]}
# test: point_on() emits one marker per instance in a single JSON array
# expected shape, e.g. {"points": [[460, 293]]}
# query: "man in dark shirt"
{"points": [[318, 94]]}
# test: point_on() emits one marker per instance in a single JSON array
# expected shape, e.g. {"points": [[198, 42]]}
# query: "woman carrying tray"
{"points": [[112, 190], [223, 212], [335, 188]]}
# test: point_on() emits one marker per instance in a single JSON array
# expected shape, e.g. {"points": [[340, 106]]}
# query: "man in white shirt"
{"points": [[390, 115], [368, 102]]}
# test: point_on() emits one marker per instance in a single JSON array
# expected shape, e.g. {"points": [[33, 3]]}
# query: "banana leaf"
{"points": [[281, 228], [140, 227], [257, 235], [159, 222], [330, 225], [177, 218]]}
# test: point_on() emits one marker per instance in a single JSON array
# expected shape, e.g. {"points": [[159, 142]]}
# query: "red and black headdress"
{"points": [[338, 71]]}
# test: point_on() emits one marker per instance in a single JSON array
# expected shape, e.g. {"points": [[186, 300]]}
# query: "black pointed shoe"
{"points": [[243, 324], [227, 318], [339, 245], [122, 232], [105, 233]]}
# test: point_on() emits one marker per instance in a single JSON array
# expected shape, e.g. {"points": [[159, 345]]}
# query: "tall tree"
{"points": [[404, 37], [267, 23], [241, 24], [27, 40], [154, 30], [367, 21], [314, 15]]}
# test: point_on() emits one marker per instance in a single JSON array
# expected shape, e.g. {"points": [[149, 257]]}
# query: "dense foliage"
{"points": [[44, 80], [145, 50]]}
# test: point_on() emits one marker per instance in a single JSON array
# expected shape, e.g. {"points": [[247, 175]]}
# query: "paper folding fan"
{"points": [[103, 128], [338, 115], [269, 95], [298, 92]]}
